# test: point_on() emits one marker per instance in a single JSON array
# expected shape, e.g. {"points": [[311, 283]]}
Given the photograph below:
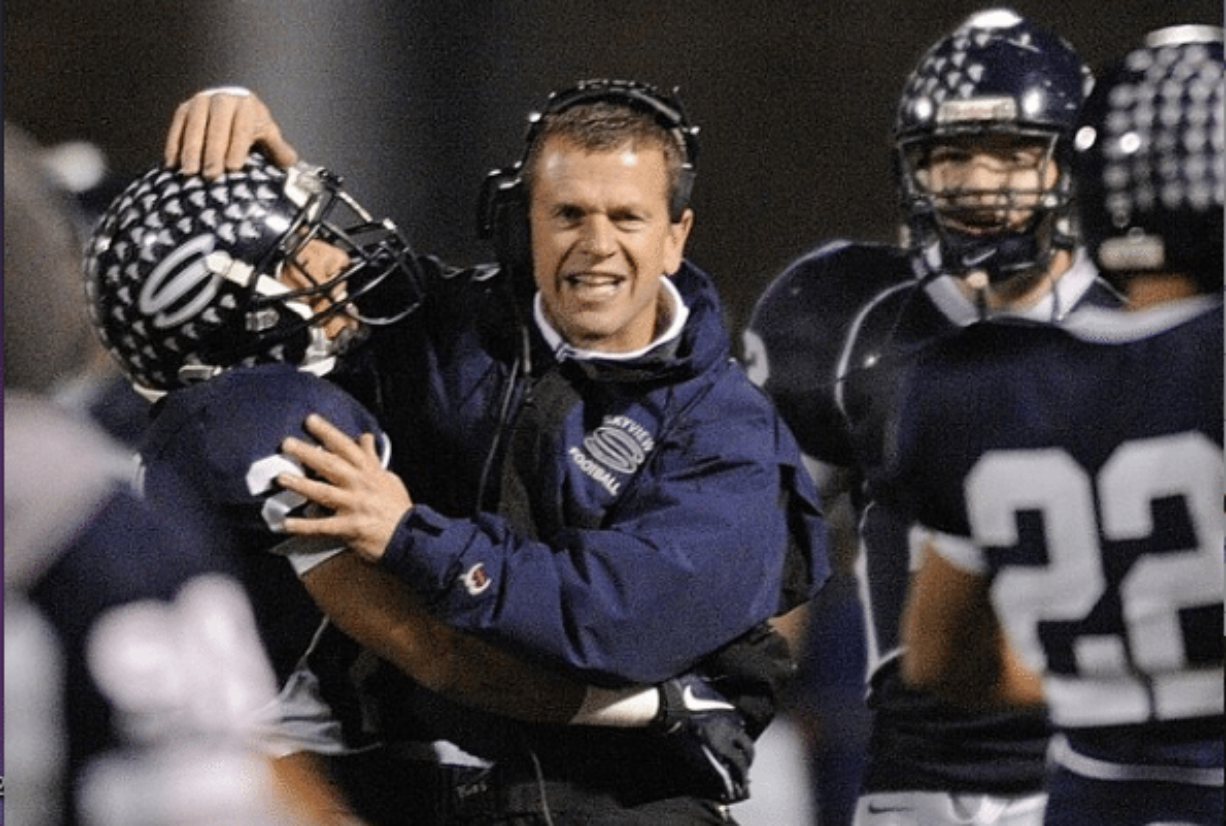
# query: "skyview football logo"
{"points": [[617, 448]]}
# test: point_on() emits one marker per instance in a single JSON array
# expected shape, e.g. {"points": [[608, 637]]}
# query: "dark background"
{"points": [[414, 101]]}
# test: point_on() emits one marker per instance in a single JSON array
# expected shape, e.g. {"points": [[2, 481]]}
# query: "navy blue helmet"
{"points": [[182, 273], [997, 74], [1149, 158]]}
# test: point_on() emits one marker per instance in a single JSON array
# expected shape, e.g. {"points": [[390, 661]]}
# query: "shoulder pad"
{"points": [[798, 331], [214, 432]]}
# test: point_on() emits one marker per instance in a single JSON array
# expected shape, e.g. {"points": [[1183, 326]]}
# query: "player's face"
{"points": [[315, 262], [987, 184], [601, 242]]}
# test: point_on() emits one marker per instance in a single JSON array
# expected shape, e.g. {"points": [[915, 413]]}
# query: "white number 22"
{"points": [[1139, 670]]}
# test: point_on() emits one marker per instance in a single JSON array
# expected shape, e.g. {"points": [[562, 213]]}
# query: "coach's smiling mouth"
{"points": [[594, 285]]}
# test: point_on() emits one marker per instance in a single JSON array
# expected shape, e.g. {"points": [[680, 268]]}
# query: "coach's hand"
{"points": [[707, 734], [364, 501], [214, 131]]}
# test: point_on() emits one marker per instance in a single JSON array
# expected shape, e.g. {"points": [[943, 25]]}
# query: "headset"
{"points": [[502, 210]]}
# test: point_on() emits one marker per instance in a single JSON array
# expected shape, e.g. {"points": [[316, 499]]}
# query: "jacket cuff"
{"points": [[413, 555]]}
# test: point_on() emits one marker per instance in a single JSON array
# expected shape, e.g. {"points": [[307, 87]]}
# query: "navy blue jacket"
{"points": [[622, 519]]}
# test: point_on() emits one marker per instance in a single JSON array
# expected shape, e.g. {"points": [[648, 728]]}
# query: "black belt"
{"points": [[478, 794], [473, 795]]}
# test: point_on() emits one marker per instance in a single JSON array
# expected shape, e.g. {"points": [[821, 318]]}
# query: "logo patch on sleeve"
{"points": [[476, 579]]}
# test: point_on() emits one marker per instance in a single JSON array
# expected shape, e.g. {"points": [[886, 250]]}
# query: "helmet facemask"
{"points": [[996, 202], [376, 251]]}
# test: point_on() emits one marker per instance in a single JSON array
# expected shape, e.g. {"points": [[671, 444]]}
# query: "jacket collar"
{"points": [[694, 340], [678, 313]]}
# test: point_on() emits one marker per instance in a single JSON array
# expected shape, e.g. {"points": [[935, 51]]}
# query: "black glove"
{"points": [[707, 735], [753, 671]]}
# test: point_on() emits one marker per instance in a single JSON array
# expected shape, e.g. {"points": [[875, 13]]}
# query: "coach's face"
{"points": [[601, 242]]}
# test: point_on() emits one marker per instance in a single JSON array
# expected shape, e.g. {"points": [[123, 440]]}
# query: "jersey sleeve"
{"points": [[958, 551], [224, 436]]}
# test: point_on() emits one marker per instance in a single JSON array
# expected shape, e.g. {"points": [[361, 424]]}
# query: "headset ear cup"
{"points": [[502, 219], [510, 227]]}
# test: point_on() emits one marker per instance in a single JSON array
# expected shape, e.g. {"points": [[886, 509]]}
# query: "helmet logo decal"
{"points": [[181, 272], [175, 279]]}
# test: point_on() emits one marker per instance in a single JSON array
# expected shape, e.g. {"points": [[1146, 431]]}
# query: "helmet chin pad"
{"points": [[1002, 255]]}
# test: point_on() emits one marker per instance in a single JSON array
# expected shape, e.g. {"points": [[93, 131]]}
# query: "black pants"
{"points": [[397, 792]]}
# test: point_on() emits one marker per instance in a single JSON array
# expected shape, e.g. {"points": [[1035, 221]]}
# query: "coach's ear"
{"points": [[678, 234]]}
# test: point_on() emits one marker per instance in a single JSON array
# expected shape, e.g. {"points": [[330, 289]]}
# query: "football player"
{"points": [[1075, 474], [189, 285], [982, 149]]}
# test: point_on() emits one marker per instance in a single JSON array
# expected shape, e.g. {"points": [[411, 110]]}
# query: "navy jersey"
{"points": [[135, 650], [829, 341], [1081, 469], [223, 437]]}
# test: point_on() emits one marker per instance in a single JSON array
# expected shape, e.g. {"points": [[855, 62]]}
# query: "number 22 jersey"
{"points": [[1081, 469]]}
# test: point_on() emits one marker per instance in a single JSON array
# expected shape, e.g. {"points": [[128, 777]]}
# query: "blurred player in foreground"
{"points": [[135, 683]]}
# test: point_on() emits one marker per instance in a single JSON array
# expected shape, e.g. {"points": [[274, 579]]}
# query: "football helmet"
{"points": [[182, 273], [997, 76], [1149, 158]]}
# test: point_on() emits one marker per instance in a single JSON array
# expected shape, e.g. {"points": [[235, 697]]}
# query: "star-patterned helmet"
{"points": [[995, 75], [1149, 158], [182, 273]]}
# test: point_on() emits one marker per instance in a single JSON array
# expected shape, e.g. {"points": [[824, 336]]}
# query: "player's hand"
{"points": [[214, 131], [365, 502], [707, 734]]}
